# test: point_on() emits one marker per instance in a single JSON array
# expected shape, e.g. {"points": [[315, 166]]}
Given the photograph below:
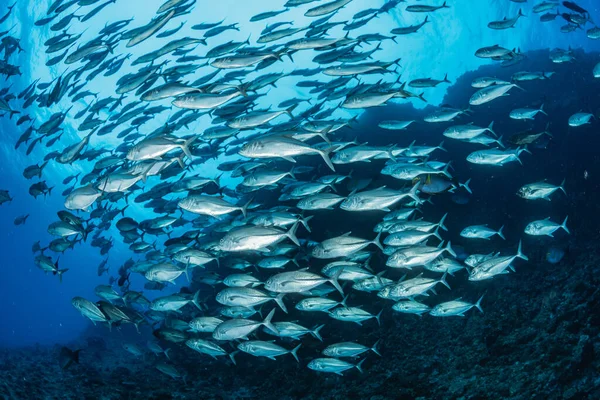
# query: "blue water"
{"points": [[36, 308]]}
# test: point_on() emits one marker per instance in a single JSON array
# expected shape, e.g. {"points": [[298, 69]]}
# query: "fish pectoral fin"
{"points": [[290, 159], [271, 358]]}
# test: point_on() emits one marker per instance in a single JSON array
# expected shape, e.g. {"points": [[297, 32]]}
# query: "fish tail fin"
{"points": [[316, 331], [374, 348], [289, 110], [520, 253], [186, 146], [217, 180], [542, 110], [60, 273], [244, 208], [377, 241], [378, 317], [180, 160], [449, 249], [359, 365], [295, 352], [232, 356], [446, 78], [334, 281], [466, 185], [499, 141], [443, 280], [267, 322], [345, 299], [325, 154], [279, 301], [441, 223], [562, 186], [445, 171], [304, 221], [478, 304], [196, 300], [167, 353], [500, 233], [413, 192], [490, 129], [291, 234], [444, 5], [520, 14], [564, 225], [436, 233]]}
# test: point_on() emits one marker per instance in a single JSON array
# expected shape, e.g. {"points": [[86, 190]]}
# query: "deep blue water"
{"points": [[36, 307]]}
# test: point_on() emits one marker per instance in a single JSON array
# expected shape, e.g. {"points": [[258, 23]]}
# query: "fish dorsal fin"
{"points": [[547, 219], [418, 276], [346, 234]]}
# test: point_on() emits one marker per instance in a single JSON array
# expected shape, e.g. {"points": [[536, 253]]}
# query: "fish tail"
{"points": [[167, 353], [267, 323], [377, 241], [374, 348], [186, 146], [490, 129], [466, 185], [196, 300], [232, 356], [443, 280], [325, 154], [499, 141], [562, 186], [279, 301], [478, 304], [520, 253], [345, 299], [436, 233], [244, 209], [304, 221], [378, 317], [289, 110], [359, 365], [334, 280], [441, 223], [500, 233], [316, 331], [60, 273], [449, 249], [291, 234], [295, 352], [564, 225]]}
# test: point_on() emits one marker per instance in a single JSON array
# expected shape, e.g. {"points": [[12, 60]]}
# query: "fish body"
{"points": [[455, 308], [545, 227], [539, 190]]}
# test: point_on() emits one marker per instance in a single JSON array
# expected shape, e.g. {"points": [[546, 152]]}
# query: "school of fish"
{"points": [[249, 247]]}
